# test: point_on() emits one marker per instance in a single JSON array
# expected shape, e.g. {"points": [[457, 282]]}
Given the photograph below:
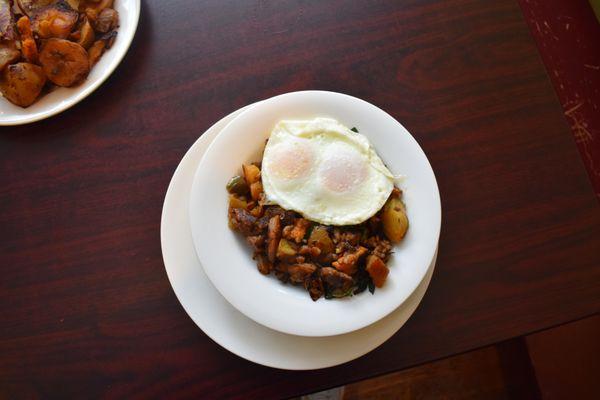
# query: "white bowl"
{"points": [[227, 259], [61, 99]]}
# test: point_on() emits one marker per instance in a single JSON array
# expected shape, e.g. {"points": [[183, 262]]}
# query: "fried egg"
{"points": [[324, 171]]}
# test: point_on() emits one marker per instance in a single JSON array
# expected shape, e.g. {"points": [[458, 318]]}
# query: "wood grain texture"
{"points": [[499, 372], [87, 310], [567, 35]]}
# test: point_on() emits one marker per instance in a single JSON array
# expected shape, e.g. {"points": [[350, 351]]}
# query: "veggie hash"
{"points": [[328, 261]]}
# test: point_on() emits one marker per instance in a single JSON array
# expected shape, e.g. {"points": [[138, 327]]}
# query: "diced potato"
{"points": [[377, 270], [251, 173], [236, 202], [395, 221], [319, 237], [256, 190], [286, 249]]}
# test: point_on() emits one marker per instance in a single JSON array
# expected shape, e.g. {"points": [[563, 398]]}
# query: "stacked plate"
{"points": [[254, 316]]}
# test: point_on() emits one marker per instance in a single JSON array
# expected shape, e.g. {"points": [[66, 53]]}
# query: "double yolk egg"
{"points": [[324, 171]]}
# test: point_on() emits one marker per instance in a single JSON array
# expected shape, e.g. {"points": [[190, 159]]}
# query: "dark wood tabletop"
{"points": [[86, 307]]}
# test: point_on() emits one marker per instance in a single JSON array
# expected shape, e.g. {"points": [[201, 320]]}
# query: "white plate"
{"points": [[61, 99], [227, 259], [223, 323]]}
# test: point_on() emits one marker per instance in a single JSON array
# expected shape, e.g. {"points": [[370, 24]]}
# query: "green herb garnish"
{"points": [[371, 286]]}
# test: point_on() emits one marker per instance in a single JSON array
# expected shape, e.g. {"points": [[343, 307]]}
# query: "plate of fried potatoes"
{"points": [[54, 53]]}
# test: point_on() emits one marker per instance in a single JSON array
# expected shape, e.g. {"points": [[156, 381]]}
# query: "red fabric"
{"points": [[567, 34]]}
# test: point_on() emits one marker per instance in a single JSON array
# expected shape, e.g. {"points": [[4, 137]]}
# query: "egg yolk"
{"points": [[291, 160], [342, 172]]}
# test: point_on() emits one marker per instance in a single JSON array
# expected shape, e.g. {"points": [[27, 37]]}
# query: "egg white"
{"points": [[324, 171]]}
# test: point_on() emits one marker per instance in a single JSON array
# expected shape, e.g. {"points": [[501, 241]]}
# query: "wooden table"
{"points": [[87, 310]]}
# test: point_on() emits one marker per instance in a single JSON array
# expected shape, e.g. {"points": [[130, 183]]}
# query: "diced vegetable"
{"points": [[237, 185], [256, 190], [298, 230], [319, 237], [301, 273], [348, 263], [395, 221], [251, 173], [22, 83], [286, 249], [273, 236], [236, 202], [377, 270]]}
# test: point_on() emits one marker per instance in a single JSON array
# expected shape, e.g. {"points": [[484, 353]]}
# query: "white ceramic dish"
{"points": [[228, 327], [227, 259], [61, 99]]}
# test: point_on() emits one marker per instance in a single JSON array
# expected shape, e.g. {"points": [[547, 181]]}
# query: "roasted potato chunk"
{"points": [[251, 173], [395, 221], [319, 237], [22, 83], [65, 63], [236, 202], [74, 4], [55, 21], [286, 250], [109, 39], [86, 34], [28, 45], [107, 20], [95, 52], [8, 54], [93, 8], [28, 7], [256, 190]]}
